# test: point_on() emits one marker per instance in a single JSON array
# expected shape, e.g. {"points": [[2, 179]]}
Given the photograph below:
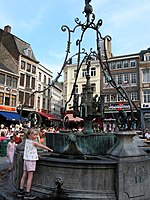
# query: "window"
{"points": [[27, 81], [113, 97], [8, 81], [84, 72], [43, 103], [2, 79], [114, 78], [44, 92], [21, 97], [39, 87], [13, 102], [14, 83], [22, 79], [76, 89], [120, 98], [23, 64], [118, 64], [93, 71], [7, 99], [75, 73], [27, 99], [133, 78], [28, 67], [147, 57], [146, 94], [32, 100], [1, 98], [134, 96], [39, 76], [49, 81], [126, 78], [146, 75], [107, 98], [48, 105], [93, 87], [38, 103], [45, 79], [125, 64], [33, 69], [112, 65], [83, 88], [132, 63], [33, 83], [49, 92], [119, 79], [28, 52]]}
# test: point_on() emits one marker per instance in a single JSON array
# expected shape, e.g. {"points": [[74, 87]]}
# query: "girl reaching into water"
{"points": [[30, 157]]}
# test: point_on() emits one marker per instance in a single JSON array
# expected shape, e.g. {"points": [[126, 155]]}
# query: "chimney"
{"points": [[7, 29]]}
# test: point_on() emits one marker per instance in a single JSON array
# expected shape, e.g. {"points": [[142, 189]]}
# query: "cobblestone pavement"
{"points": [[7, 191]]}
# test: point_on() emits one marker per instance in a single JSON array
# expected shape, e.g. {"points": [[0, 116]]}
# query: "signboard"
{"points": [[145, 105], [147, 115], [119, 107], [7, 108]]}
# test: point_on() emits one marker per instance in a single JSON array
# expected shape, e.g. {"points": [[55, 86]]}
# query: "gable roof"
{"points": [[16, 46]]}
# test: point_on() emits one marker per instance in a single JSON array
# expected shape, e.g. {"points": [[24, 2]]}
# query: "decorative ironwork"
{"points": [[90, 106]]}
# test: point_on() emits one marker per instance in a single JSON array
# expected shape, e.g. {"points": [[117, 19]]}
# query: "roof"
{"points": [[15, 45], [145, 51], [3, 67]]}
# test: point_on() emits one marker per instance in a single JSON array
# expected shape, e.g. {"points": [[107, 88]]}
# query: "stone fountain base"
{"points": [[122, 174]]}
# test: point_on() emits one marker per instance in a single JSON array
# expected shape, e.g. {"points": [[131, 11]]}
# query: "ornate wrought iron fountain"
{"points": [[93, 106]]}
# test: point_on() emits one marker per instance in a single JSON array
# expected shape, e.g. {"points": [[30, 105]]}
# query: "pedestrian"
{"points": [[30, 157], [147, 135], [11, 147]]}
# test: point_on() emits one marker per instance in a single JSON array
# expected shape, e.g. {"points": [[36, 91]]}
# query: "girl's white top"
{"points": [[30, 151]]}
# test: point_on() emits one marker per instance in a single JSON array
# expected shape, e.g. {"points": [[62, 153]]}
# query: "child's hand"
{"points": [[50, 150]]}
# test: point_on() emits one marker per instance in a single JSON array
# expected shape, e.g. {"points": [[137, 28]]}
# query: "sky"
{"points": [[39, 22]]}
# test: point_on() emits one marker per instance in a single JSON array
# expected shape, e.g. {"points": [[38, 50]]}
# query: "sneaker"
{"points": [[21, 193], [28, 195]]}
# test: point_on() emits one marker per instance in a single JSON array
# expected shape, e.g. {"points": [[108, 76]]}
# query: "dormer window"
{"points": [[147, 57], [28, 52]]}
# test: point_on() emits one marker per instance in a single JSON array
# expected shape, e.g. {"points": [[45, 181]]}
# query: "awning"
{"points": [[49, 116], [12, 116], [70, 118]]}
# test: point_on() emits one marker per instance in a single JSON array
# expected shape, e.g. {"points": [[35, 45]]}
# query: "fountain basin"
{"points": [[91, 144], [58, 177], [122, 173]]}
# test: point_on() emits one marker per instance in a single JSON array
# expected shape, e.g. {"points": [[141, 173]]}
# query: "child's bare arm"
{"points": [[42, 146]]}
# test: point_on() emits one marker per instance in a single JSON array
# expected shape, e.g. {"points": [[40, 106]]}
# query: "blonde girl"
{"points": [[30, 157]]}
